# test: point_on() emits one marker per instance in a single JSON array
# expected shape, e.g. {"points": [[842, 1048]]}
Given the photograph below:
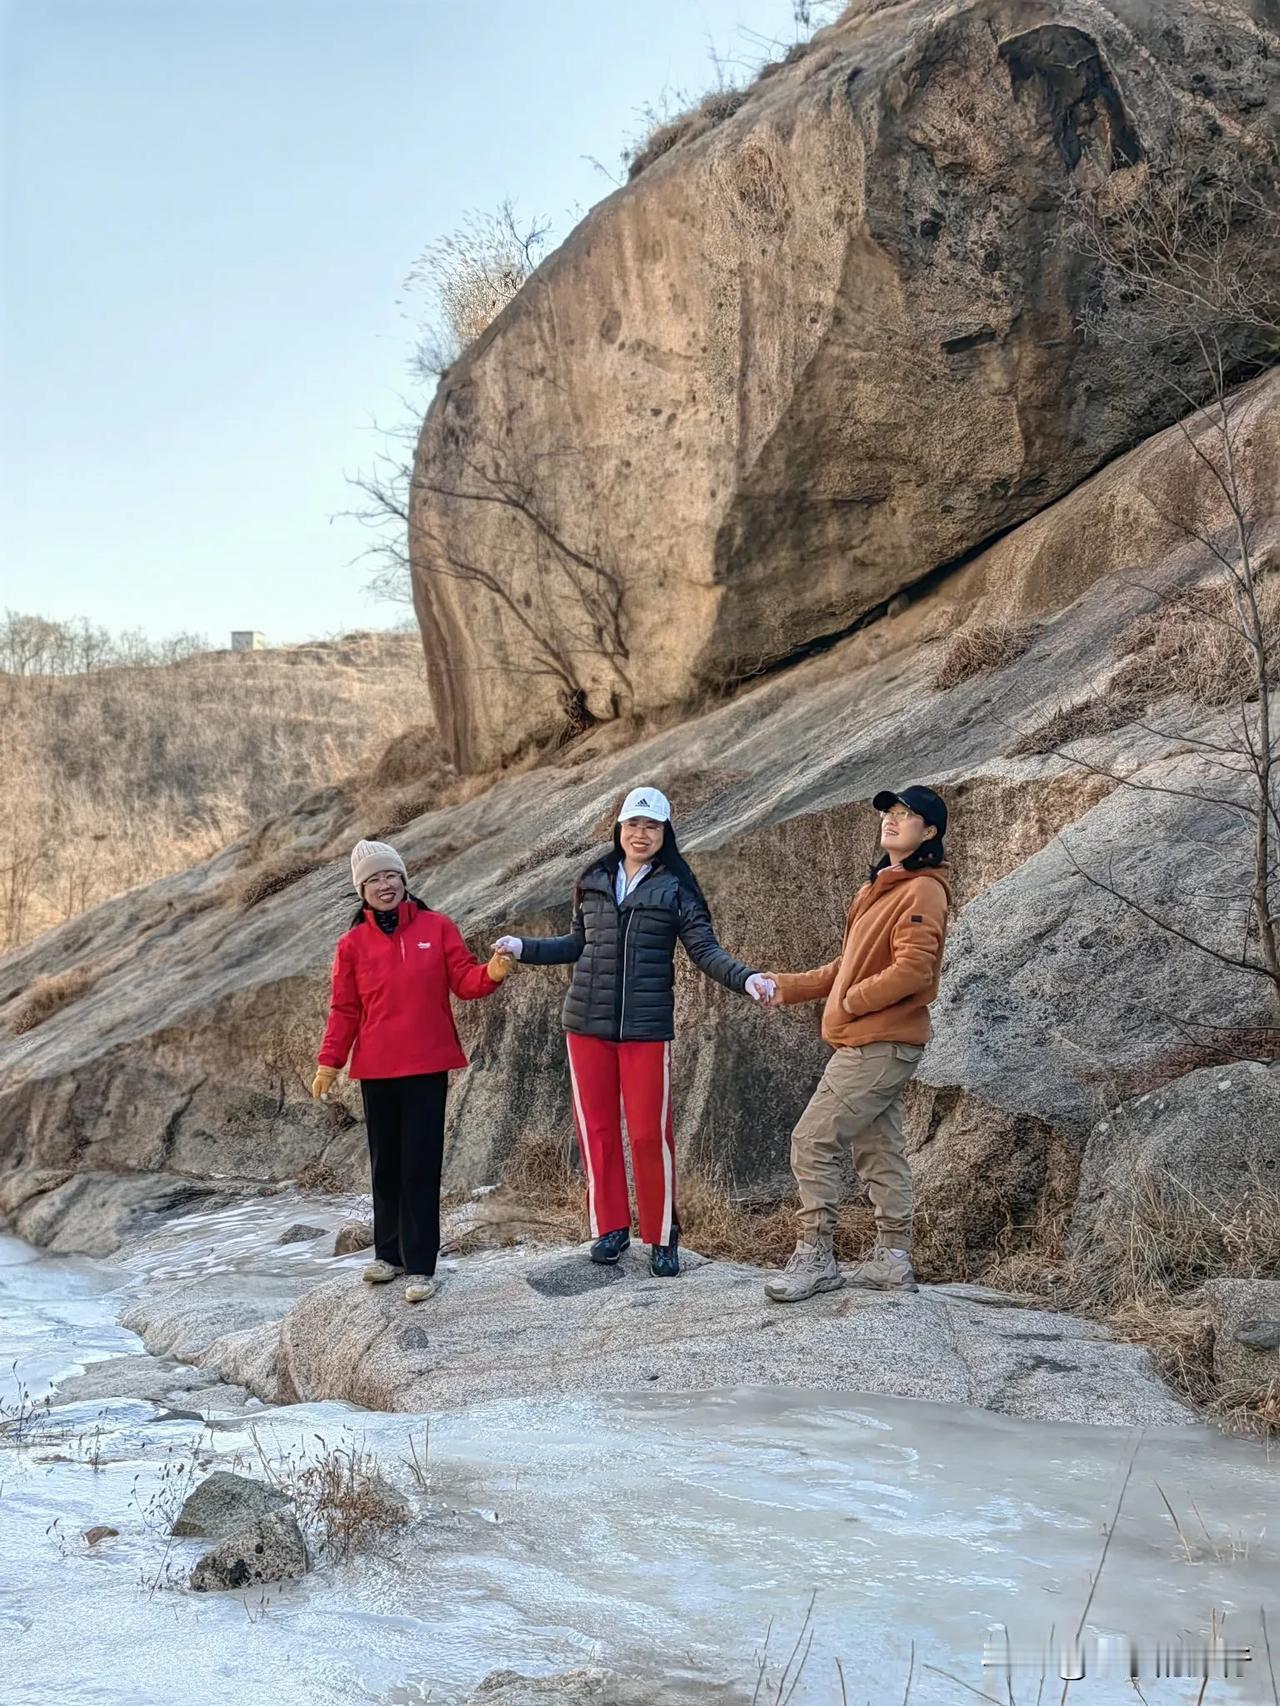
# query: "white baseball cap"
{"points": [[646, 802]]}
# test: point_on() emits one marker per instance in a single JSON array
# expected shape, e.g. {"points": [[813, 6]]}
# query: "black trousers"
{"points": [[405, 1122]]}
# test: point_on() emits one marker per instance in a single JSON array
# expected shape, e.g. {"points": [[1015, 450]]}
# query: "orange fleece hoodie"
{"points": [[879, 989]]}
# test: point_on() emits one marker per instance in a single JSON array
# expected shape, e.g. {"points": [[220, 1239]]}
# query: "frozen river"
{"points": [[663, 1537]]}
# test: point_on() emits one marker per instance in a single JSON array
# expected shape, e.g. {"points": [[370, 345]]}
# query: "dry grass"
{"points": [[1252, 1412], [986, 646], [129, 774], [666, 133], [412, 756], [343, 1503], [1221, 1048], [48, 995], [1193, 644], [1103, 715], [1140, 1281], [270, 878], [542, 1170], [317, 1175], [1141, 1277]]}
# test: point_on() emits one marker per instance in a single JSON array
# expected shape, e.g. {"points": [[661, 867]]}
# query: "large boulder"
{"points": [[194, 1053], [1246, 1335], [805, 357], [270, 1549], [224, 1503], [550, 1323], [1196, 1151]]}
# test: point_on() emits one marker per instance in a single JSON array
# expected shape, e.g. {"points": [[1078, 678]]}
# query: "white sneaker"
{"points": [[885, 1270], [379, 1272], [418, 1288], [812, 1268]]}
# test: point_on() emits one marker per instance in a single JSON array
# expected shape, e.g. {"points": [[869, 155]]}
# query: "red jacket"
{"points": [[391, 996]]}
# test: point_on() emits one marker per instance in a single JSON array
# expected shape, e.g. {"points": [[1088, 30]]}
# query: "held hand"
{"points": [[501, 966], [323, 1081], [511, 945], [761, 988]]}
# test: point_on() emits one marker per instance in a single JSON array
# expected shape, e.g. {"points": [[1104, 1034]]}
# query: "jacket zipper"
{"points": [[622, 972]]}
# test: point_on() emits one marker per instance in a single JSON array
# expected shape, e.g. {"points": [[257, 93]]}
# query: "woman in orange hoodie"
{"points": [[876, 1019]]}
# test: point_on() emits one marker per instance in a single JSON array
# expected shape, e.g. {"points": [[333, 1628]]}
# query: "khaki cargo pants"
{"points": [[857, 1106]]}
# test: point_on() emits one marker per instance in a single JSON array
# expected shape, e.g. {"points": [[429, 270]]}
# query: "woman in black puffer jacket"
{"points": [[629, 910]]}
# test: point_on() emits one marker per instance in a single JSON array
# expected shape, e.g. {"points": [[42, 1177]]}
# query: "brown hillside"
{"points": [[118, 776]]}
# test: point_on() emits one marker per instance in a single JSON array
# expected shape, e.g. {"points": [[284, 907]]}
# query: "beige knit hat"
{"points": [[368, 857]]}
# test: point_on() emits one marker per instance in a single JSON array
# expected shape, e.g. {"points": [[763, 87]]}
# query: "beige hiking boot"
{"points": [[812, 1268], [418, 1288], [884, 1270], [379, 1272]]}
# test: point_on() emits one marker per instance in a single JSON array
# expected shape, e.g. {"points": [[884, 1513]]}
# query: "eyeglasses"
{"points": [[899, 814]]}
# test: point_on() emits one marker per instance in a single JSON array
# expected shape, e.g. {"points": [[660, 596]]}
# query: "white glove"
{"points": [[509, 945], [759, 987]]}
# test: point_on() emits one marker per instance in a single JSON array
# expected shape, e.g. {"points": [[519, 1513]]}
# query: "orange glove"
{"points": [[323, 1081], [501, 967]]}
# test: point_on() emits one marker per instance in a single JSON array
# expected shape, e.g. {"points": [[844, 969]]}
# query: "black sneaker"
{"points": [[664, 1259], [607, 1249]]}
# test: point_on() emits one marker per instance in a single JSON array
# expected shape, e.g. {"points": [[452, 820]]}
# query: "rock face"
{"points": [[553, 1324], [187, 1065], [1205, 1146], [803, 359], [224, 1503]]}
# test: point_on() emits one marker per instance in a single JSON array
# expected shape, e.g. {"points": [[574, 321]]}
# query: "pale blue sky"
{"points": [[207, 210]]}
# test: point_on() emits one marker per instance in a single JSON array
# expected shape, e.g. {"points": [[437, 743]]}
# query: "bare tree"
{"points": [[1189, 251], [468, 276], [562, 598]]}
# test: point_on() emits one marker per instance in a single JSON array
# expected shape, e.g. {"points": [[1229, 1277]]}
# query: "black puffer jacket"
{"points": [[624, 956]]}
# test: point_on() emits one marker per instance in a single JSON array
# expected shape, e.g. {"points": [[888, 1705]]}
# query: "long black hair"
{"points": [[668, 856]]}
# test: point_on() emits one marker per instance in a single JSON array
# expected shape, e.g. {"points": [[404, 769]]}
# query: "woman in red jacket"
{"points": [[392, 976]]}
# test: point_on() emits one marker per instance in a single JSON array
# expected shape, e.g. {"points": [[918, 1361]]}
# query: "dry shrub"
{"points": [[1025, 1256], [343, 1500], [985, 646], [271, 878], [412, 756], [1195, 643], [1110, 711], [1179, 1336], [666, 134], [397, 813], [1223, 1048], [1166, 1243], [542, 1170], [1192, 644], [1255, 1412], [48, 995], [317, 1175], [343, 1503]]}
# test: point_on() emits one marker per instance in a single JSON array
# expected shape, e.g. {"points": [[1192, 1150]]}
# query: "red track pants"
{"points": [[610, 1079]]}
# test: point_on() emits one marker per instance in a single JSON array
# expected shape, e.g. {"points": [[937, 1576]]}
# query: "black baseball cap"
{"points": [[923, 801]]}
